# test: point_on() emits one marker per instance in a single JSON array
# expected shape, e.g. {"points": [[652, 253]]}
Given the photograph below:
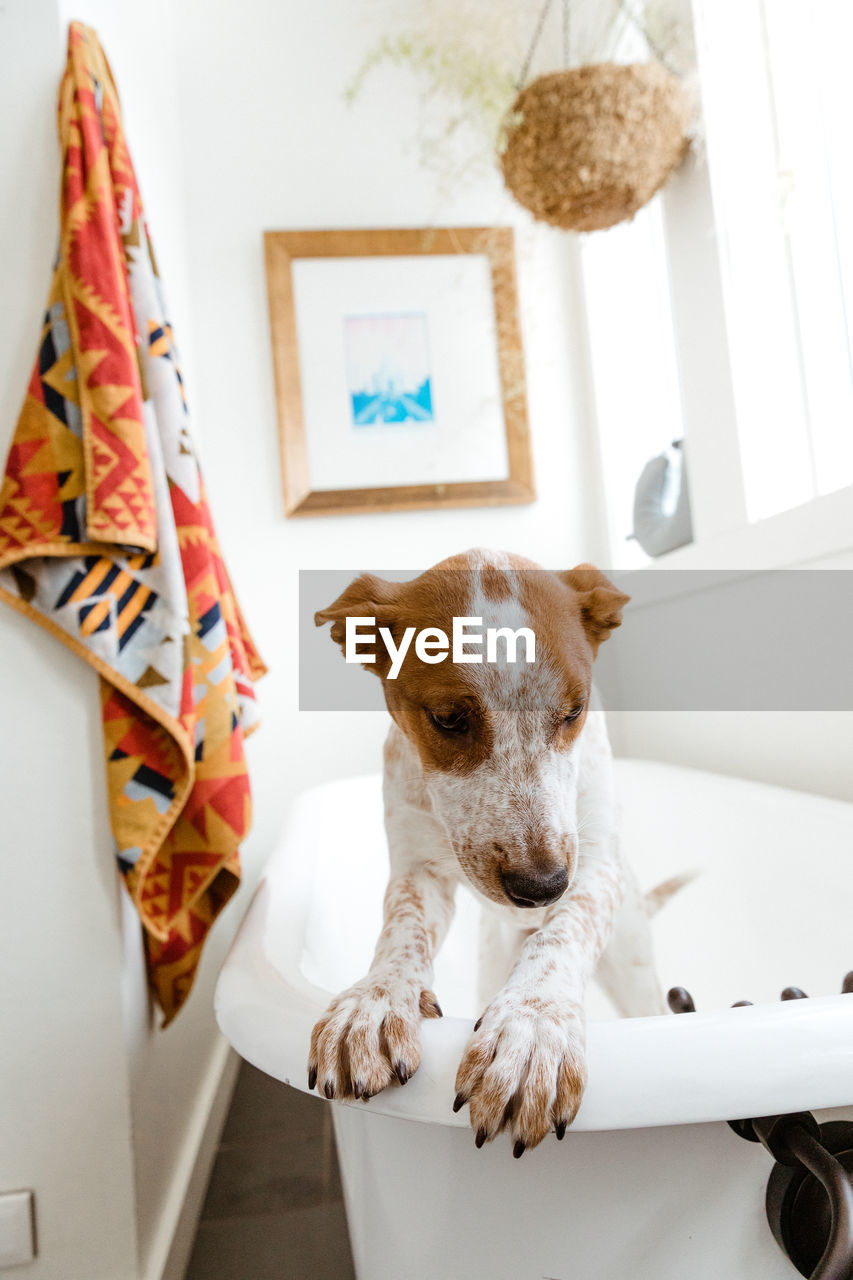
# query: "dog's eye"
{"points": [[574, 714], [450, 721]]}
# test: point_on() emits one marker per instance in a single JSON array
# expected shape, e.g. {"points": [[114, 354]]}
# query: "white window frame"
{"points": [[820, 528]]}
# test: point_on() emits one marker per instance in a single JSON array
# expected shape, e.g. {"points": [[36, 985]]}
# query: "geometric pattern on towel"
{"points": [[106, 540]]}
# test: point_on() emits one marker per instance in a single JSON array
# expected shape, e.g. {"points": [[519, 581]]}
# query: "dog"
{"points": [[498, 775]]}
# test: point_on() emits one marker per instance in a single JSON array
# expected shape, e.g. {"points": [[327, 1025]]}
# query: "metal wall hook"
{"points": [[809, 1201]]}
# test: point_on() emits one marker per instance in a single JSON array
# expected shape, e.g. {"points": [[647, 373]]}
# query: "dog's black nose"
{"points": [[526, 889]]}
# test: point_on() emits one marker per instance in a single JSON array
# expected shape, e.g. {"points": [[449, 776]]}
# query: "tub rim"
{"points": [[714, 1065]]}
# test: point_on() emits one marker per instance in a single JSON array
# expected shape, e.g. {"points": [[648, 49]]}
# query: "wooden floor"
{"points": [[274, 1207]]}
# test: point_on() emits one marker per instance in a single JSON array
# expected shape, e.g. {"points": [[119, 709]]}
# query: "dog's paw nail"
{"points": [[329, 1089], [459, 1101], [519, 1149], [560, 1130], [478, 1024], [401, 1071], [357, 1089], [312, 1077], [480, 1138], [429, 1006]]}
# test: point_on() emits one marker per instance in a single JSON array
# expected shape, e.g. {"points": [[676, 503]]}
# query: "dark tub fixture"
{"points": [[809, 1199]]}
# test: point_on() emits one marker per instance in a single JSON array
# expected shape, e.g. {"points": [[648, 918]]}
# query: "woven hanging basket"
{"points": [[593, 144]]}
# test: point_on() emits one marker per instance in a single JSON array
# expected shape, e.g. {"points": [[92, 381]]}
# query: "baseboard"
{"points": [[173, 1240]]}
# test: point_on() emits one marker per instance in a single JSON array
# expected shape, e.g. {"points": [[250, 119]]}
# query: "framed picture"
{"points": [[399, 369]]}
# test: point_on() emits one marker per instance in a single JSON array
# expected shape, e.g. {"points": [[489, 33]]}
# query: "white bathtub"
{"points": [[648, 1183]]}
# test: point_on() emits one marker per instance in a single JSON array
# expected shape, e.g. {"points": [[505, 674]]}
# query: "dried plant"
{"points": [[464, 56], [469, 58]]}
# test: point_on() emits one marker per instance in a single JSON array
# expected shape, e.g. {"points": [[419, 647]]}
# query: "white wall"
{"points": [[806, 750], [269, 143]]}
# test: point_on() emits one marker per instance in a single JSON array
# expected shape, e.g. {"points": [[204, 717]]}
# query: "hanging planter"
{"points": [[586, 148], [582, 148]]}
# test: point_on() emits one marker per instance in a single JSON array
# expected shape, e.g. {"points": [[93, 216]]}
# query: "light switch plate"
{"points": [[17, 1228]]}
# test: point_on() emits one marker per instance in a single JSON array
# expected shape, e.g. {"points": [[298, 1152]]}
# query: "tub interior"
{"points": [[770, 905]]}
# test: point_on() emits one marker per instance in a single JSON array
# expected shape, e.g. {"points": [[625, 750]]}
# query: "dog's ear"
{"points": [[366, 597], [601, 603]]}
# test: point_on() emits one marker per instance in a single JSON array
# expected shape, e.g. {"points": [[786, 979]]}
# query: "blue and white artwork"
{"points": [[388, 373]]}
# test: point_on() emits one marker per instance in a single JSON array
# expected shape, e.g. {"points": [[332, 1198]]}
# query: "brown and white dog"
{"points": [[499, 775]]}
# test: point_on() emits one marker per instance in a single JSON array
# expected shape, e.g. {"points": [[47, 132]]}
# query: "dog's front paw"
{"points": [[368, 1036], [524, 1068]]}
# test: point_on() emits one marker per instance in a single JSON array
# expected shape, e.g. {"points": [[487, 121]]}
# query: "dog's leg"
{"points": [[626, 971], [371, 1032], [525, 1064]]}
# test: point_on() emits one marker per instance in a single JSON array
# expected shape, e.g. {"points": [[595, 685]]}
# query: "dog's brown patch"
{"points": [[432, 600], [494, 583]]}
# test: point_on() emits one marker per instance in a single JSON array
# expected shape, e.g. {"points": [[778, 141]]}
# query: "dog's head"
{"points": [[499, 741]]}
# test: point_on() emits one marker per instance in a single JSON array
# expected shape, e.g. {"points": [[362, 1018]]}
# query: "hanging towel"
{"points": [[106, 540]]}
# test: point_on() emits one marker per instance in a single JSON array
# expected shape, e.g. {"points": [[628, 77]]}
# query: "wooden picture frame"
{"points": [[493, 250]]}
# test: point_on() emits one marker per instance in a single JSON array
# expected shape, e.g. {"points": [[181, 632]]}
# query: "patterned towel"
{"points": [[107, 541]]}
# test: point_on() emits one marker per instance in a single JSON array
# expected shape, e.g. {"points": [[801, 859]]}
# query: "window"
{"points": [[633, 359], [723, 312], [777, 101]]}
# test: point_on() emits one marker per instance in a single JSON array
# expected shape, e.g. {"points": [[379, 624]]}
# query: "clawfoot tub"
{"points": [[649, 1182]]}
